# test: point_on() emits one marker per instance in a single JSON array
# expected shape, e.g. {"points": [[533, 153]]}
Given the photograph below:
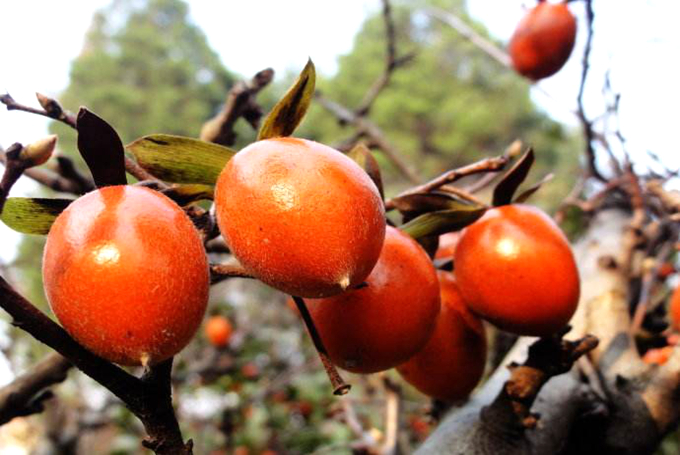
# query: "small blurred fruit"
{"points": [[543, 40], [218, 330], [658, 356]]}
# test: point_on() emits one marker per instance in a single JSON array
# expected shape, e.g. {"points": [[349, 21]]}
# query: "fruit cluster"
{"points": [[126, 272]]}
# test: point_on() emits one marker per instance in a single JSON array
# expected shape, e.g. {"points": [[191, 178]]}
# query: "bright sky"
{"points": [[637, 40]]}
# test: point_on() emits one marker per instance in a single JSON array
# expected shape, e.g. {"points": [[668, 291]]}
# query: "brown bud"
{"points": [[51, 106], [38, 152]]}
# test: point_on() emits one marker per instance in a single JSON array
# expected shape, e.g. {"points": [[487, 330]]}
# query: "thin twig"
{"points": [[340, 387], [220, 272], [585, 122], [240, 103], [485, 165], [367, 128], [392, 62]]}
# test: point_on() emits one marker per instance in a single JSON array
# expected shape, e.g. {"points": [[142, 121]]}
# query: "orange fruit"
{"points": [[514, 267], [543, 40], [126, 274], [218, 331], [447, 245], [380, 325], [674, 309], [658, 356], [452, 362], [300, 216]]}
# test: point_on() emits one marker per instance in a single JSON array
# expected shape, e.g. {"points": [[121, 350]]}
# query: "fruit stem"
{"points": [[340, 387]]}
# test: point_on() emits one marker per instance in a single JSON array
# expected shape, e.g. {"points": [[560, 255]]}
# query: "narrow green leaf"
{"points": [[440, 222], [412, 205], [364, 158], [32, 215], [526, 194], [291, 109], [101, 148], [505, 189], [192, 192], [180, 159]]}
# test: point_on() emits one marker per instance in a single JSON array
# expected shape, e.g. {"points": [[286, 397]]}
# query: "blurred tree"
{"points": [[146, 68], [450, 106]]}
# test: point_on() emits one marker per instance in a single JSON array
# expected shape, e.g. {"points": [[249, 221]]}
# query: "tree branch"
{"points": [[20, 397], [240, 103]]}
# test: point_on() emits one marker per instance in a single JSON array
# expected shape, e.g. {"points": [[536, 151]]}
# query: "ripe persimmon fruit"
{"points": [[452, 362], [514, 267], [300, 216], [218, 330], [381, 324], [543, 40], [126, 274]]}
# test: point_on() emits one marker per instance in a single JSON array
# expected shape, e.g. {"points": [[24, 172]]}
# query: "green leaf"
{"points": [[101, 148], [442, 221], [291, 109], [505, 189], [188, 193], [412, 205], [32, 215], [180, 159], [526, 194], [365, 159]]}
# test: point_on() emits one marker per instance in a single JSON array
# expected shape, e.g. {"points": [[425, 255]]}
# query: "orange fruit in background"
{"points": [[674, 309], [658, 356], [126, 274], [218, 330], [447, 245], [543, 40], [514, 267], [300, 216], [381, 325], [452, 362]]}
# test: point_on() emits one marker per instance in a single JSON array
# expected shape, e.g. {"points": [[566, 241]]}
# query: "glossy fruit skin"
{"points": [[300, 216], [447, 245], [218, 330], [380, 326], [515, 268], [126, 274], [452, 362], [543, 40]]}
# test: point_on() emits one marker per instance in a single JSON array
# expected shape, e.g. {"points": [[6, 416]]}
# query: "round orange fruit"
{"points": [[218, 330], [300, 216], [452, 362], [383, 323], [543, 40], [126, 274], [515, 268]]}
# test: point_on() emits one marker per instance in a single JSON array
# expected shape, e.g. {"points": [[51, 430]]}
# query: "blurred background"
{"points": [[166, 66]]}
